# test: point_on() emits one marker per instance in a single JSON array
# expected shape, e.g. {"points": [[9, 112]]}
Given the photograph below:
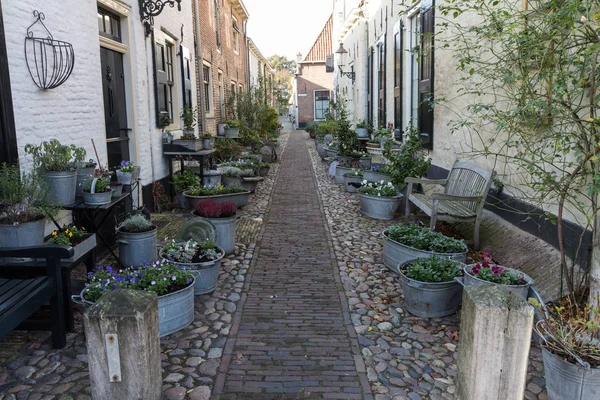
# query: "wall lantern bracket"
{"points": [[152, 8]]}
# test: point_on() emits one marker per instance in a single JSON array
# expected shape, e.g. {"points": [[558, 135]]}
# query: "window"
{"points": [[236, 35], [170, 79], [109, 25], [186, 74], [381, 87], [321, 104], [233, 86], [221, 97], [398, 80], [217, 30], [415, 31], [206, 84]]}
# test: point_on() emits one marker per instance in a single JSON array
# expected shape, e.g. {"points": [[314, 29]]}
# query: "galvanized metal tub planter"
{"points": [[240, 199], [395, 253], [365, 162], [62, 187], [321, 150], [379, 207], [97, 199], [225, 228], [430, 299], [362, 132], [349, 177], [192, 145], [208, 143], [117, 189], [175, 310], [22, 234], [231, 180], [137, 248], [84, 174], [251, 182], [522, 290], [565, 381], [212, 178], [372, 176], [339, 173], [232, 132], [330, 153], [264, 170], [206, 274], [82, 248]]}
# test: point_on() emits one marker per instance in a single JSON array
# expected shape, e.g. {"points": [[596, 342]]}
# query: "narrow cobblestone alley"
{"points": [[295, 336]]}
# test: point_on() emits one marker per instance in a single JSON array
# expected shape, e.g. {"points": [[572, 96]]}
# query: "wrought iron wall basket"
{"points": [[50, 62]]}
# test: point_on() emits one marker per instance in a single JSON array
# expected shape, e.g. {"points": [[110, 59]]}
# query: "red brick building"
{"points": [[223, 51], [314, 80]]}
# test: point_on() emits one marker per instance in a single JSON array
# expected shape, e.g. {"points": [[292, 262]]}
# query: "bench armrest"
{"points": [[442, 196], [426, 181]]}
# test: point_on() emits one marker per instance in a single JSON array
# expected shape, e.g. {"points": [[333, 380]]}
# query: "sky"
{"points": [[286, 27]]}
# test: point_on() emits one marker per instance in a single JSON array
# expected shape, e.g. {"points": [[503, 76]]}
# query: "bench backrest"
{"points": [[468, 179]]}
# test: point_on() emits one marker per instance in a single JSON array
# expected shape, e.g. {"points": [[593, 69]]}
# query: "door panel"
{"points": [[426, 79]]}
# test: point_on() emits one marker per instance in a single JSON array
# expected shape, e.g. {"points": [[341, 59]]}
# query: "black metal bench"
{"points": [[19, 298]]}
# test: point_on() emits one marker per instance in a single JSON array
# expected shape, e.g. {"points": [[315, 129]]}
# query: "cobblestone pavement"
{"points": [[294, 335], [31, 370], [407, 357]]}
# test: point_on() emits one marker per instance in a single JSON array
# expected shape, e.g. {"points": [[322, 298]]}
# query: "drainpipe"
{"points": [[247, 41], [367, 68], [199, 66]]}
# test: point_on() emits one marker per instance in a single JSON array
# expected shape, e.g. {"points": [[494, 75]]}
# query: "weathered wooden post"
{"points": [[495, 336], [124, 347]]}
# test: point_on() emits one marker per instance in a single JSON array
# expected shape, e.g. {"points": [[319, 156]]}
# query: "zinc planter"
{"points": [[117, 189], [232, 132], [137, 248], [212, 178], [225, 228], [321, 150], [97, 199], [365, 162], [82, 248], [379, 207], [240, 199], [395, 253], [206, 274], [351, 178], [430, 299], [372, 176], [22, 235], [251, 182], [192, 145], [521, 290], [339, 173], [330, 153], [231, 180], [362, 132], [264, 171], [208, 143], [566, 381], [62, 187], [221, 129], [83, 175]]}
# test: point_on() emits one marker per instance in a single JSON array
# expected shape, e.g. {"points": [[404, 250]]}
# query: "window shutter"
{"points": [[186, 77], [398, 81], [329, 64], [160, 66], [426, 75]]}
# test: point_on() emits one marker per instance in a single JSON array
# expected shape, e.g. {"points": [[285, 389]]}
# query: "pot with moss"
{"points": [[137, 241], [97, 192], [57, 164], [223, 217], [429, 286], [232, 129], [237, 194], [406, 242], [21, 203]]}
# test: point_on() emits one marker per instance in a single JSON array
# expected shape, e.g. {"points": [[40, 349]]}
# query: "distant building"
{"points": [[260, 72]]}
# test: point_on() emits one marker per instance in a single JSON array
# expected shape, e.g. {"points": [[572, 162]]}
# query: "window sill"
{"points": [[210, 115]]}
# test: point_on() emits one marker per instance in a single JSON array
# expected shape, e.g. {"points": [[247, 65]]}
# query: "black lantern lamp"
{"points": [[341, 51], [152, 8]]}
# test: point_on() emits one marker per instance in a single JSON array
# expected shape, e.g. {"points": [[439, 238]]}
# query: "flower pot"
{"points": [[182, 201], [362, 132], [232, 132], [212, 178], [225, 228], [351, 178], [565, 381], [83, 176], [62, 187], [206, 274], [208, 143], [23, 235], [97, 199], [348, 160], [430, 299], [124, 178], [521, 290], [137, 248], [379, 207], [339, 173], [331, 153], [117, 189], [395, 253], [80, 249], [192, 145], [250, 183], [372, 176], [365, 162], [175, 310], [231, 180], [240, 199], [221, 129], [264, 171], [321, 150]]}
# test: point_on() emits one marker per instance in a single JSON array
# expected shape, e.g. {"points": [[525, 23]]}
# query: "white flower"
{"points": [[583, 19], [382, 181], [390, 184], [364, 182], [379, 194]]}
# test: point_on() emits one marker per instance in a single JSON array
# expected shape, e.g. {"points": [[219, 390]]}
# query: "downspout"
{"points": [[199, 66], [367, 69], [151, 96], [247, 41]]}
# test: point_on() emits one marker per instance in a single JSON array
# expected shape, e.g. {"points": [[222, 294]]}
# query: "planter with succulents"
{"points": [[379, 200], [406, 242], [201, 259], [488, 273], [219, 194], [137, 241], [174, 287]]}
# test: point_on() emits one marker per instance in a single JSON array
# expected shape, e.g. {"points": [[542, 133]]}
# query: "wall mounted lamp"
{"points": [[349, 74]]}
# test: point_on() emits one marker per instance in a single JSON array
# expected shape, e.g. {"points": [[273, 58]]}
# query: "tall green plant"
{"points": [[22, 195], [409, 161], [52, 156], [345, 134]]}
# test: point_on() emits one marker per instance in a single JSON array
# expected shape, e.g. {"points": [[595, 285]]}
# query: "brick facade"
{"points": [[222, 59], [311, 77]]}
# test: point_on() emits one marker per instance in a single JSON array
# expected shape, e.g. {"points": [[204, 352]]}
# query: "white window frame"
{"points": [[207, 80], [315, 103], [411, 69], [235, 38]]}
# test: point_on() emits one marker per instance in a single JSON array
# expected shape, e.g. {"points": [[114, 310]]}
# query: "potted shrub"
{"points": [[174, 287], [22, 199], [362, 129], [188, 116], [377, 173], [570, 351], [184, 181], [223, 217], [85, 171], [97, 192], [353, 180], [81, 240], [208, 141], [379, 200], [232, 130], [127, 172], [219, 194], [486, 273], [202, 260], [58, 165], [406, 242], [311, 127], [137, 241], [429, 286]]}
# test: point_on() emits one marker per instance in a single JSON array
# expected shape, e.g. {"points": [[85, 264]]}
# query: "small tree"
{"points": [[346, 136]]}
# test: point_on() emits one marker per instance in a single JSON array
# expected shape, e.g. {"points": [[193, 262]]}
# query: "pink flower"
{"points": [[583, 19], [487, 257], [476, 269], [497, 270], [521, 277]]}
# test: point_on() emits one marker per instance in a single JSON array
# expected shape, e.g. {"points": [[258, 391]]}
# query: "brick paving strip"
{"points": [[291, 335]]}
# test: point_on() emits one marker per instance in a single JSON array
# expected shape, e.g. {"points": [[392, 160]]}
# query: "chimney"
{"points": [[299, 57]]}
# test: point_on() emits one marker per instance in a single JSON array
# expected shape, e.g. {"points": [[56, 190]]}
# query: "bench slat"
{"points": [[22, 291]]}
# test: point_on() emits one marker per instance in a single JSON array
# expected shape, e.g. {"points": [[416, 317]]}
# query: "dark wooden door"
{"points": [[115, 107], [426, 74]]}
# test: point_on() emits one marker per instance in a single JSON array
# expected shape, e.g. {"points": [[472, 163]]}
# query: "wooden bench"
{"points": [[464, 196], [19, 298]]}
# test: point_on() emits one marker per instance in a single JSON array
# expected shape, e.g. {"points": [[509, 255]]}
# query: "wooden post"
{"points": [[123, 346], [495, 336]]}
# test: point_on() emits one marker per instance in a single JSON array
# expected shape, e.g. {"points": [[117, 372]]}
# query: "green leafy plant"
{"points": [[345, 135], [355, 172], [327, 127], [409, 161], [490, 272], [52, 156], [227, 149], [126, 166], [161, 277], [363, 125], [68, 236], [191, 252], [136, 223], [208, 191], [380, 189], [207, 135], [22, 195], [233, 172], [233, 124], [188, 114], [189, 136], [433, 269], [102, 185], [422, 238], [185, 180], [311, 127]]}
